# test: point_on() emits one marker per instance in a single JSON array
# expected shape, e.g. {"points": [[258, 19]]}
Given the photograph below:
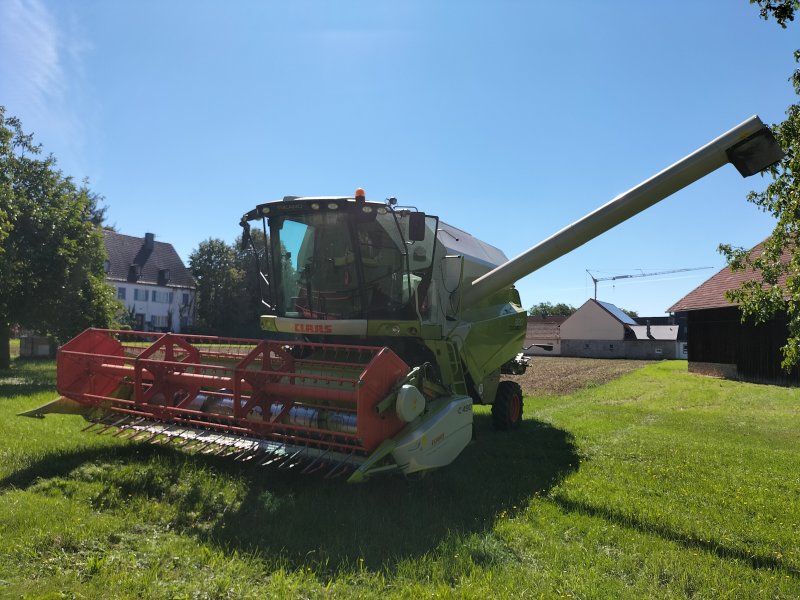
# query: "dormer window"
{"points": [[134, 272]]}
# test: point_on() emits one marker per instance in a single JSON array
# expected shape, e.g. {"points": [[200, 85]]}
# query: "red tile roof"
{"points": [[711, 293]]}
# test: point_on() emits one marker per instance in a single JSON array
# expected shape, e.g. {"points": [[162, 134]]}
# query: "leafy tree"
{"points": [[219, 285], [545, 309], [52, 254], [761, 299]]}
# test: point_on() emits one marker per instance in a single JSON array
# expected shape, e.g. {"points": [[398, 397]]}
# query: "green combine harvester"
{"points": [[384, 327]]}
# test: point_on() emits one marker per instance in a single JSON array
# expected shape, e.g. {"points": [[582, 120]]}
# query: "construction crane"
{"points": [[642, 274]]}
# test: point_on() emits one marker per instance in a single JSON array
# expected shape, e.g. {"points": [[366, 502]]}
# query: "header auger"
{"points": [[384, 326]]}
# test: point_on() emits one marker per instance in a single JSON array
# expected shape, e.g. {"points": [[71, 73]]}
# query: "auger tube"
{"points": [[763, 152]]}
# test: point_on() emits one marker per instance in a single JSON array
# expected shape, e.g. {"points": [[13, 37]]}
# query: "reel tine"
{"points": [[186, 441], [121, 422], [152, 437], [289, 462], [274, 455], [319, 461], [247, 454], [339, 468]]}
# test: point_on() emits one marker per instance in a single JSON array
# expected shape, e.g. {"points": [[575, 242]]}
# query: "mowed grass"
{"points": [[658, 484]]}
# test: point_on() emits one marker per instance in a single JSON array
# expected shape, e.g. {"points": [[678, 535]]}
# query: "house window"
{"points": [[186, 299], [140, 295], [611, 347], [159, 321], [121, 293], [162, 297]]}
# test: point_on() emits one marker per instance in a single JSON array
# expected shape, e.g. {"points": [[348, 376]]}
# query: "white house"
{"points": [[151, 280], [601, 330]]}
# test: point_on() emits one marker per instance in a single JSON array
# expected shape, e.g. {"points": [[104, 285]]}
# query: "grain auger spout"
{"points": [[384, 326], [750, 147]]}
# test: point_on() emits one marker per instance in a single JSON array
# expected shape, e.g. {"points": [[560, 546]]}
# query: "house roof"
{"points": [[656, 332], [617, 313], [544, 328], [126, 250], [635, 331], [711, 293]]}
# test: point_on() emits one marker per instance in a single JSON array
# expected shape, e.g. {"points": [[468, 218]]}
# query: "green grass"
{"points": [[14, 347], [659, 484]]}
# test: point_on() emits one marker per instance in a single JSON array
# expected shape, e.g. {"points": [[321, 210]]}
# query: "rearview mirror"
{"points": [[245, 236], [416, 226]]}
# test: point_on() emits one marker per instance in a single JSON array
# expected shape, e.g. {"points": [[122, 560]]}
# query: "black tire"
{"points": [[507, 407]]}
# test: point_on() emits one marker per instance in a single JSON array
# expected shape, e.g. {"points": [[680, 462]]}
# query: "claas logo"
{"points": [[304, 328]]}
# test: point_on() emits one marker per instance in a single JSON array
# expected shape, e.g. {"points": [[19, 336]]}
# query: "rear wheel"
{"points": [[507, 407]]}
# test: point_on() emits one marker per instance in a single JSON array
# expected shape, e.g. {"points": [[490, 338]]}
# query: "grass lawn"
{"points": [[657, 484]]}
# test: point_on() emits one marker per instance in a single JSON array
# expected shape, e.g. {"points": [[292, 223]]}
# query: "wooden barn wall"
{"points": [[718, 336]]}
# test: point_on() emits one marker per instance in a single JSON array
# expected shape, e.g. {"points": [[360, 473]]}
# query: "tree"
{"points": [[219, 281], [546, 309], [52, 267], [762, 299]]}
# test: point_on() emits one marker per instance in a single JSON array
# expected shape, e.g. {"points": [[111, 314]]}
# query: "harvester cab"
{"points": [[384, 325]]}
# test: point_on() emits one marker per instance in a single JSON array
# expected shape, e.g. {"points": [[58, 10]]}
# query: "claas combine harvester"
{"points": [[384, 327]]}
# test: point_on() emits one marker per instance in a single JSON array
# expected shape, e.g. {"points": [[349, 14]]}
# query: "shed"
{"points": [[721, 345], [544, 331]]}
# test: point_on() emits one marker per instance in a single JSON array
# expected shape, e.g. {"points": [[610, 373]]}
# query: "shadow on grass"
{"points": [[394, 517], [756, 561], [304, 520]]}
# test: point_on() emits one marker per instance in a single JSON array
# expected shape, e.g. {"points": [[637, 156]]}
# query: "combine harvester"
{"points": [[385, 326]]}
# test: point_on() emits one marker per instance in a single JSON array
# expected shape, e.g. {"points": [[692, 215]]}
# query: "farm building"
{"points": [[151, 281], [543, 331], [601, 330], [721, 345]]}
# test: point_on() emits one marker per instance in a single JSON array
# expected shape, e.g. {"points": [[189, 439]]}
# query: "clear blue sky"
{"points": [[508, 119]]}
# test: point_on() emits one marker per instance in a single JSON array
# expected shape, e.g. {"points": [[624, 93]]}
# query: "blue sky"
{"points": [[508, 119]]}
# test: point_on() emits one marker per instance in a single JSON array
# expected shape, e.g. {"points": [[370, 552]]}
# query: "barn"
{"points": [[543, 337], [721, 345]]}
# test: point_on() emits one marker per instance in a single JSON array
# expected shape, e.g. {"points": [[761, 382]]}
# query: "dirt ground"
{"points": [[558, 375]]}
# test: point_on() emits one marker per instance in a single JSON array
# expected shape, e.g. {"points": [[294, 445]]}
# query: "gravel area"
{"points": [[559, 375]]}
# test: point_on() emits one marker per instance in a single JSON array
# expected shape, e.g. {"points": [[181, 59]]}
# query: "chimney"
{"points": [[149, 240], [648, 328]]}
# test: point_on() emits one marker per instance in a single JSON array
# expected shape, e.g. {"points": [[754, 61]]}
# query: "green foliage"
{"points": [[52, 269], [762, 298], [229, 285], [547, 309], [782, 10], [213, 265]]}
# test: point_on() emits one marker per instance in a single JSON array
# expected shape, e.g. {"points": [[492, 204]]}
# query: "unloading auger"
{"points": [[384, 326]]}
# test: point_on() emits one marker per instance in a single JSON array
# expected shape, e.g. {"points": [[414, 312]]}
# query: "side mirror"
{"points": [[245, 235], [416, 226]]}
